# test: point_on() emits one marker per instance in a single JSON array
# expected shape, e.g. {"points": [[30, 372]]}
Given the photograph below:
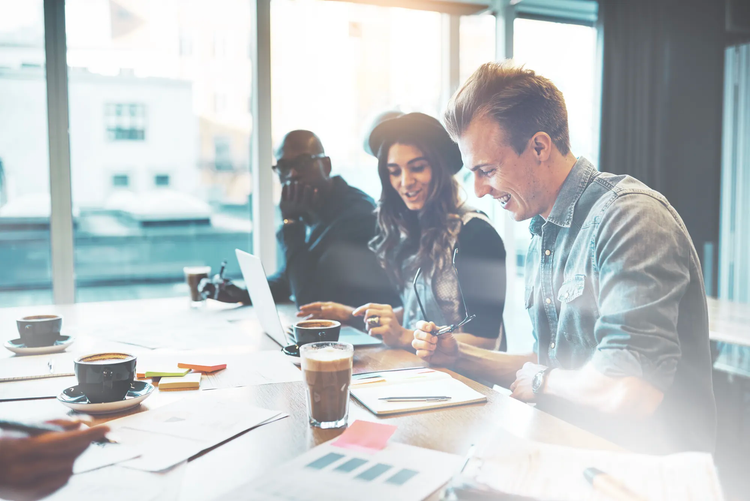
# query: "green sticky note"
{"points": [[167, 372]]}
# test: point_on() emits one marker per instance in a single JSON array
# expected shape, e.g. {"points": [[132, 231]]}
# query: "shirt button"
{"points": [[552, 345], [547, 252], [548, 300]]}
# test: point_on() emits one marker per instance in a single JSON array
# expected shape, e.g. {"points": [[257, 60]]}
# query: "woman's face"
{"points": [[410, 174]]}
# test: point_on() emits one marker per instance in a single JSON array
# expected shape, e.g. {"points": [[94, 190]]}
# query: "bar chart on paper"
{"points": [[396, 473]]}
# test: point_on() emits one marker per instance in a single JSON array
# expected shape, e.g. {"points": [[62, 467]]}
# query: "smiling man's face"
{"points": [[513, 180]]}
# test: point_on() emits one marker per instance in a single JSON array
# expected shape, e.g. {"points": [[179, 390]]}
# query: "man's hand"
{"points": [[298, 201], [441, 350], [34, 467], [522, 386], [327, 310], [225, 291], [387, 324]]}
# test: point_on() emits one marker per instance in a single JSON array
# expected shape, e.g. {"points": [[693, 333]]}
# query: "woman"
{"points": [[421, 221]]}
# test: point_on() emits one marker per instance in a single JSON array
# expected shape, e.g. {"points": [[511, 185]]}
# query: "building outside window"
{"points": [[161, 180], [120, 181], [125, 122]]}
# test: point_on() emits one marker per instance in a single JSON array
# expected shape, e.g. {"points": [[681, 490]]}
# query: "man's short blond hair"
{"points": [[520, 101]]}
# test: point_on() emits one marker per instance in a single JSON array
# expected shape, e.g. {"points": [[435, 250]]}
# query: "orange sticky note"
{"points": [[202, 368], [365, 436]]}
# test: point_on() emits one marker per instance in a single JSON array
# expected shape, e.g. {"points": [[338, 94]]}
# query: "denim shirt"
{"points": [[613, 280]]}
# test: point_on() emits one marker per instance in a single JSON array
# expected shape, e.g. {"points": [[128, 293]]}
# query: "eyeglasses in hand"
{"points": [[448, 328]]}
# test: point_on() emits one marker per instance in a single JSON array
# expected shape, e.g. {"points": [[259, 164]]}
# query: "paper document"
{"points": [[550, 472], [37, 365], [253, 368], [397, 473], [115, 483], [187, 331], [175, 432], [101, 454], [244, 367], [370, 389]]}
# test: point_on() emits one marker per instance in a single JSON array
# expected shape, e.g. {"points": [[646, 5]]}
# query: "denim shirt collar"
{"points": [[571, 190]]}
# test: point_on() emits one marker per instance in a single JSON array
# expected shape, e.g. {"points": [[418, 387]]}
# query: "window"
{"points": [[220, 103], [125, 122], [26, 278], [356, 61], [161, 180], [120, 180], [223, 153], [132, 80]]}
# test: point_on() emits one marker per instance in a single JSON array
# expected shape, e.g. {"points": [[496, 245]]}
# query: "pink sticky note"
{"points": [[365, 436]]}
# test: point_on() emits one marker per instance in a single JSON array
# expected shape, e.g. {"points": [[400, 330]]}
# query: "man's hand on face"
{"points": [[299, 201], [522, 386]]}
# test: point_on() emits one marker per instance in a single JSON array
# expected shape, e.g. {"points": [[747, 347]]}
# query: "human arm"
{"points": [[642, 255], [473, 361], [481, 271], [34, 467], [388, 325]]}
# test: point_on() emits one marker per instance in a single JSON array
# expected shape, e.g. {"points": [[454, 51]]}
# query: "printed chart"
{"points": [[397, 473]]}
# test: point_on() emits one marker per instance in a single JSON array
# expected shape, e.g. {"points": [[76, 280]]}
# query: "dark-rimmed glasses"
{"points": [[448, 328], [299, 163]]}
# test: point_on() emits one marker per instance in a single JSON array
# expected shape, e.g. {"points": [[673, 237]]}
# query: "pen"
{"points": [[387, 370], [610, 486], [416, 399], [40, 428]]}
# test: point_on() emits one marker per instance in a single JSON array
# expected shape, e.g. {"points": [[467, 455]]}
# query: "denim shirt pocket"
{"points": [[571, 289], [574, 319]]}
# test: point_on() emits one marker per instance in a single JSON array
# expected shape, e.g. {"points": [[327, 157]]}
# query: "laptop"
{"points": [[256, 282]]}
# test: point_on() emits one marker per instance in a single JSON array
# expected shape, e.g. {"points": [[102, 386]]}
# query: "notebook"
{"points": [[370, 388], [188, 382]]}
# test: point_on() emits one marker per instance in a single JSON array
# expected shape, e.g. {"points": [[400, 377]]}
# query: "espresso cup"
{"points": [[39, 330], [105, 377], [315, 331]]}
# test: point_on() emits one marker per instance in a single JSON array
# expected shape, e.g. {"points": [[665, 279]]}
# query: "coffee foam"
{"points": [[326, 360], [105, 357]]}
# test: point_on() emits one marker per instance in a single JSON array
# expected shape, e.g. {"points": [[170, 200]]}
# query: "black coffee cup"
{"points": [[315, 331], [105, 377], [39, 330]]}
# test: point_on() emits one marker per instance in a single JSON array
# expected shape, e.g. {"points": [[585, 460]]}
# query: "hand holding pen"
{"points": [[40, 461]]}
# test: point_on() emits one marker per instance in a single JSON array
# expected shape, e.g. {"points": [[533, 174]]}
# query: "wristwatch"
{"points": [[538, 383]]}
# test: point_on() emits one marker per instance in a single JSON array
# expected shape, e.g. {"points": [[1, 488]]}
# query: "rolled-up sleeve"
{"points": [[642, 254]]}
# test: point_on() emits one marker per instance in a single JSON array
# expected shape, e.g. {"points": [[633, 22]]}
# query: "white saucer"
{"points": [[16, 346], [73, 397]]}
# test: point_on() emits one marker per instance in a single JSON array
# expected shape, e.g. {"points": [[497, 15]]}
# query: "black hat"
{"points": [[420, 127]]}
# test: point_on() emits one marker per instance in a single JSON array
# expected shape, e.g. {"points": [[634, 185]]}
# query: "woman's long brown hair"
{"points": [[421, 238]]}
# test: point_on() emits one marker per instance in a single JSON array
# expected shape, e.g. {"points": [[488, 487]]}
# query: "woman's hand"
{"points": [[326, 310], [381, 320], [442, 350]]}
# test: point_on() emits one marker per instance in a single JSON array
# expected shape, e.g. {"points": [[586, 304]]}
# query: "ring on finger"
{"points": [[373, 322]]}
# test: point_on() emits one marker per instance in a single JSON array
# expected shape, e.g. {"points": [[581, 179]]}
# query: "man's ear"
{"points": [[327, 166], [542, 145]]}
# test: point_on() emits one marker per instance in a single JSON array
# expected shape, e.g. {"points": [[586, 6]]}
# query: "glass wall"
{"points": [[334, 65], [160, 124], [26, 273]]}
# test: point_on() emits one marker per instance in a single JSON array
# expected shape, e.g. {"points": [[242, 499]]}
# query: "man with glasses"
{"points": [[614, 285], [327, 225]]}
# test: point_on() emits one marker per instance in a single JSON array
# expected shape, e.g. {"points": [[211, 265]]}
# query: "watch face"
{"points": [[537, 383]]}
